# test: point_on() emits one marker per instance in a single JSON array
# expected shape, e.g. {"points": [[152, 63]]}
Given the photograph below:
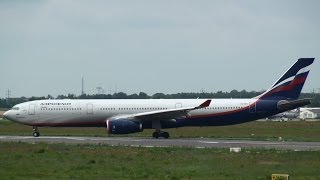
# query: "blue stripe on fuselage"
{"points": [[263, 108]]}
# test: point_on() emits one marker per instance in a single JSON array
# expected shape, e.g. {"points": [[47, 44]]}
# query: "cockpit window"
{"points": [[15, 108]]}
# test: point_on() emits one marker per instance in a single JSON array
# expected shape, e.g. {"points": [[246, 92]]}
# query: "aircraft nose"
{"points": [[6, 115]]}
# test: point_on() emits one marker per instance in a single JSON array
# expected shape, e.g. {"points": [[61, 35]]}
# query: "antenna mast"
{"points": [[82, 86]]}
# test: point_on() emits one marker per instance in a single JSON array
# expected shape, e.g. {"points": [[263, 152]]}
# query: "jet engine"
{"points": [[123, 126]]}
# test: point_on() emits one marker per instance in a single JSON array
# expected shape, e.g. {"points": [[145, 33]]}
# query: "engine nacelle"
{"points": [[123, 126]]}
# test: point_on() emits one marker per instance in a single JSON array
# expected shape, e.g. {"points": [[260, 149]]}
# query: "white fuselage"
{"points": [[96, 112]]}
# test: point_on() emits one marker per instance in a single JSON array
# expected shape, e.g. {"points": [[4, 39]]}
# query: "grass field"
{"points": [[289, 131], [60, 161]]}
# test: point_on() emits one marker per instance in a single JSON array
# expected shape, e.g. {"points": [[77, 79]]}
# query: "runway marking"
{"points": [[248, 142], [208, 142], [241, 142]]}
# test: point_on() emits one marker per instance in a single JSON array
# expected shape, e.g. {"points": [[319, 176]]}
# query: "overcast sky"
{"points": [[154, 46]]}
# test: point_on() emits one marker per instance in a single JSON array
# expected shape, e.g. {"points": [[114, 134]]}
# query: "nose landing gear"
{"points": [[35, 131]]}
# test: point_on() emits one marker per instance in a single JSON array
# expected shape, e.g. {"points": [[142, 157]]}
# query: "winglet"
{"points": [[205, 104]]}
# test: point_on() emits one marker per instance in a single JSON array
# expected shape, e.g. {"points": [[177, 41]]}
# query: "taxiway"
{"points": [[148, 142]]}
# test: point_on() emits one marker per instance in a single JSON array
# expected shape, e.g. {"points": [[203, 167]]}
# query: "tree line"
{"points": [[8, 103]]}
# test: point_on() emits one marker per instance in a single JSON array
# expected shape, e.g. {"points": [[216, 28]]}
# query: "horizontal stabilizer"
{"points": [[285, 105]]}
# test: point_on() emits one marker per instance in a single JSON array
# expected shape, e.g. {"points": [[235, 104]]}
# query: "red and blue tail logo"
{"points": [[289, 86]]}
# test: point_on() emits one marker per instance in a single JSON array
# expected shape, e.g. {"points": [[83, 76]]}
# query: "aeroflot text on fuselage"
{"points": [[55, 104]]}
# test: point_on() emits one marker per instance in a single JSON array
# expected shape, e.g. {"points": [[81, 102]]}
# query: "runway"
{"points": [[148, 142]]}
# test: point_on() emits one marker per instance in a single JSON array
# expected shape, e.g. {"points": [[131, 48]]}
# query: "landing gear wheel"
{"points": [[35, 131], [156, 135], [165, 135], [36, 134]]}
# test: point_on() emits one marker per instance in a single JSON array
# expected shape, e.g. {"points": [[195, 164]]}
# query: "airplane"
{"points": [[123, 116]]}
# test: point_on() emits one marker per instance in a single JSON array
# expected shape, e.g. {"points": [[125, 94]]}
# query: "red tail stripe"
{"points": [[290, 86]]}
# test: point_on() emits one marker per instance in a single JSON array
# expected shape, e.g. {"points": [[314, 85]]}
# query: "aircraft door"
{"points": [[32, 109], [252, 108], [89, 108], [178, 105]]}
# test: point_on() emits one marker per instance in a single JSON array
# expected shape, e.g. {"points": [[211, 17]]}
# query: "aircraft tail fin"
{"points": [[290, 84]]}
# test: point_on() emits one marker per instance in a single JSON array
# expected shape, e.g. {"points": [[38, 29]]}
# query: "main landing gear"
{"points": [[156, 124], [35, 131], [159, 133]]}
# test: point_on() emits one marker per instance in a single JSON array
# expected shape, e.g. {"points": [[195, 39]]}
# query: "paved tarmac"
{"points": [[149, 142]]}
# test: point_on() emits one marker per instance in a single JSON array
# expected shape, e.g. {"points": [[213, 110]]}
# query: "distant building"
{"points": [[309, 113]]}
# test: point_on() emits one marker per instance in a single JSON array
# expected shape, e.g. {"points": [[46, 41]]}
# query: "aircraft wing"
{"points": [[168, 114]]}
